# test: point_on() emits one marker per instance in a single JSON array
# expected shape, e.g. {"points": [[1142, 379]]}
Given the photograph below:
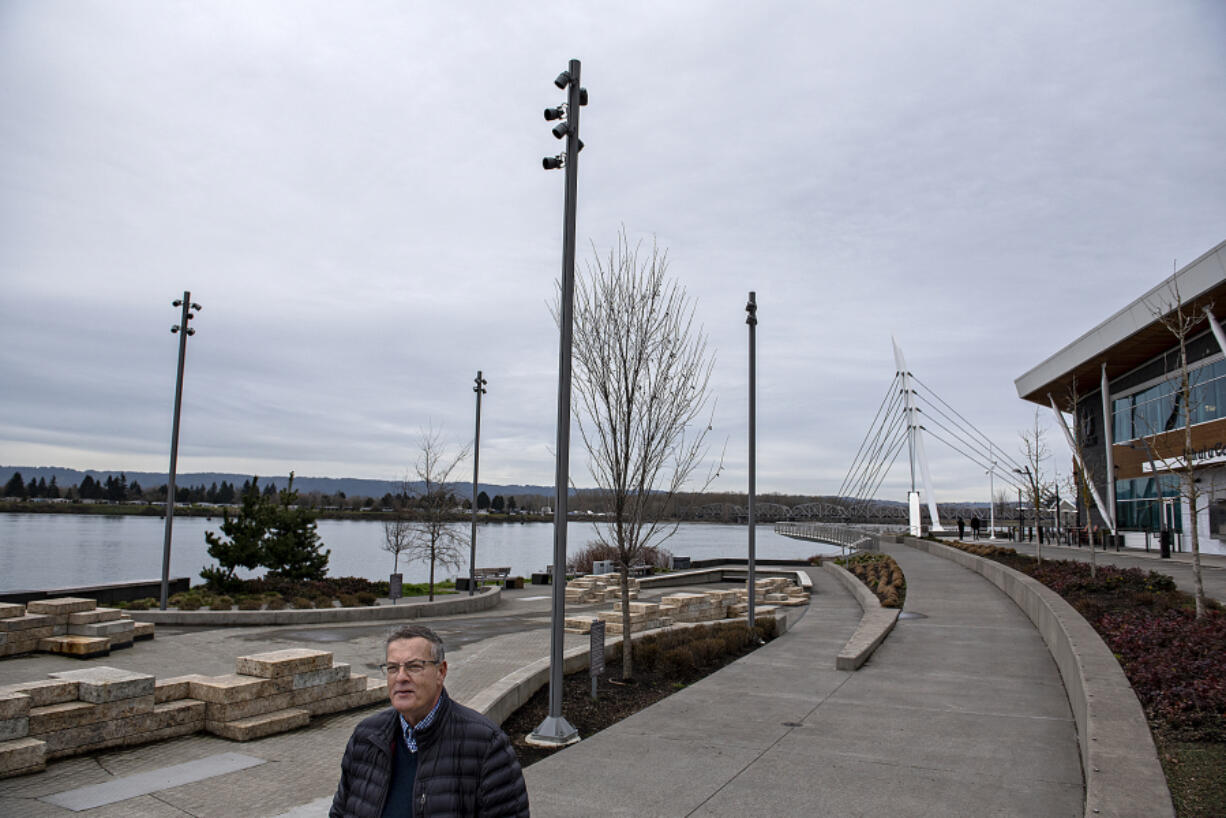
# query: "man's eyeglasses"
{"points": [[411, 668]]}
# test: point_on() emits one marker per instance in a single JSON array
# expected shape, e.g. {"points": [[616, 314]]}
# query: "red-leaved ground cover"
{"points": [[1177, 666]]}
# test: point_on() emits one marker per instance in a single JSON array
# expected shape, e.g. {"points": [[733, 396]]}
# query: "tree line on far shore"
{"points": [[117, 489]]}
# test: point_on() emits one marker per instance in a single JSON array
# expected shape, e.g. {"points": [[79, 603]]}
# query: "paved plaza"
{"points": [[960, 712]]}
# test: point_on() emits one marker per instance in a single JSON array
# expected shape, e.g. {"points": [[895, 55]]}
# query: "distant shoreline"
{"points": [[188, 510]]}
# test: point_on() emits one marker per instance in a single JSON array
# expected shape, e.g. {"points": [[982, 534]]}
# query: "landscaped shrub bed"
{"points": [[1175, 663], [581, 561], [276, 593], [882, 576], [664, 663]]}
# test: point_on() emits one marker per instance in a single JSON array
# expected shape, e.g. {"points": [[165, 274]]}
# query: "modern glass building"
{"points": [[1136, 442]]}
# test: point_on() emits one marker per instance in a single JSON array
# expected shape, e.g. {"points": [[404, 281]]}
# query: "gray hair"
{"points": [[419, 632]]}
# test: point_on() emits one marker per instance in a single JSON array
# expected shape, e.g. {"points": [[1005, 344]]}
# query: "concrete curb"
{"points": [[875, 623], [1122, 773], [723, 573], [484, 600], [508, 694]]}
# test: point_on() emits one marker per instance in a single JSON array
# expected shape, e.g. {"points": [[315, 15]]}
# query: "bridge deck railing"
{"points": [[841, 535]]}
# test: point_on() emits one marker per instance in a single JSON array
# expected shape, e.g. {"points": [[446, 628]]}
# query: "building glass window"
{"points": [[1159, 408], [1138, 507], [1217, 519]]}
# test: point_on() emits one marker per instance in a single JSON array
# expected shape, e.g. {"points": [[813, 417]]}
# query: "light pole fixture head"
{"points": [[553, 162], [560, 130], [563, 79], [555, 113]]}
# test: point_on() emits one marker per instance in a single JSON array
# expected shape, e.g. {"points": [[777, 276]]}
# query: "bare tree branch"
{"points": [[641, 373], [1183, 321], [432, 537]]}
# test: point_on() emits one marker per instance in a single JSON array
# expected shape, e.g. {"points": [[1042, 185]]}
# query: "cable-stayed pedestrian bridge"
{"points": [[872, 512]]}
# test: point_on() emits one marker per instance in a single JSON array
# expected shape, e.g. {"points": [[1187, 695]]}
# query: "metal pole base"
{"points": [[554, 731]]}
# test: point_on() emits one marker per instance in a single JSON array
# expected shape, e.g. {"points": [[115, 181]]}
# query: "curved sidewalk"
{"points": [[960, 712]]}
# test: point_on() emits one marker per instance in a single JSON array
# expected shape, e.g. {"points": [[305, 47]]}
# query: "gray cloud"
{"points": [[354, 194]]}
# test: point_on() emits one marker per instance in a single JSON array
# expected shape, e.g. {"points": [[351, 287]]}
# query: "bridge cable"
{"points": [[888, 393], [872, 479], [883, 442], [1004, 454]]}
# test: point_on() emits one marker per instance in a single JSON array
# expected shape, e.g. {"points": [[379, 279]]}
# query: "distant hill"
{"points": [[351, 486]]}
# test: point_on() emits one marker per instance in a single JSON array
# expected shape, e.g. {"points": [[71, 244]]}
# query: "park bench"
{"points": [[491, 574]]}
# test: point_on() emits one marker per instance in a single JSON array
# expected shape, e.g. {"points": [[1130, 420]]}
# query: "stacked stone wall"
{"points": [[72, 626], [82, 711], [683, 606]]}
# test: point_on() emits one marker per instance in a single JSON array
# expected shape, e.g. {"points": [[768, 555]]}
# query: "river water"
{"points": [[64, 550]]}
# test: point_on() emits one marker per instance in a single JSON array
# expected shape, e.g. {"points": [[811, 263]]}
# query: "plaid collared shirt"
{"points": [[409, 731]]}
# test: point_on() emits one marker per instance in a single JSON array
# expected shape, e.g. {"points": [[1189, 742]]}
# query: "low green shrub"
{"points": [[301, 603], [250, 603], [366, 598], [349, 600]]}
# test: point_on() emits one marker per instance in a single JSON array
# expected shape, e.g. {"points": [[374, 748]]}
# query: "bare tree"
{"points": [[398, 530], [1183, 321], [641, 371], [433, 538], [1035, 454]]}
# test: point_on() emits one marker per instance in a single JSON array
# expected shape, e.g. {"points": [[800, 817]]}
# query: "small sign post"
{"points": [[596, 665], [394, 587]]}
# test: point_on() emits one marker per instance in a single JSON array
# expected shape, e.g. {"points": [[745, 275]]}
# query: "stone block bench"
{"points": [[685, 606], [72, 626], [81, 711]]}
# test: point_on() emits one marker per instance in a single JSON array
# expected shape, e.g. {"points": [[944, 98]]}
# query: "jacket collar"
{"points": [[429, 734], [390, 730]]}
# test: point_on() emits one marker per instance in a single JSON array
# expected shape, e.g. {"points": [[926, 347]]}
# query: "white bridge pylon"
{"points": [[915, 440]]}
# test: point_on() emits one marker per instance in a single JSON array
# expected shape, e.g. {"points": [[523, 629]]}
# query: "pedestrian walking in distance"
{"points": [[961, 528]]}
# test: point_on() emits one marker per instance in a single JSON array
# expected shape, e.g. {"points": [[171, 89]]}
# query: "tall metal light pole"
{"points": [[751, 318], [472, 544], [555, 729], [991, 495], [184, 330]]}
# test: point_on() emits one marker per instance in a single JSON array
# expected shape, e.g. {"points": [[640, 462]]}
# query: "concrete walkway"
{"points": [[1178, 566], [960, 712]]}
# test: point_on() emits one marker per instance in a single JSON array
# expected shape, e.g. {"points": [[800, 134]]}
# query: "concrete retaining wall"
{"points": [[1122, 773], [102, 594], [875, 625], [508, 694], [724, 573], [448, 605]]}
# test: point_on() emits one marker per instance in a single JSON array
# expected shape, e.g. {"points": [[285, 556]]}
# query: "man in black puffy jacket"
{"points": [[426, 755]]}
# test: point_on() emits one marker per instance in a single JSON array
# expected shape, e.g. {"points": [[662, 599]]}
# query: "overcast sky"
{"points": [[353, 191]]}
